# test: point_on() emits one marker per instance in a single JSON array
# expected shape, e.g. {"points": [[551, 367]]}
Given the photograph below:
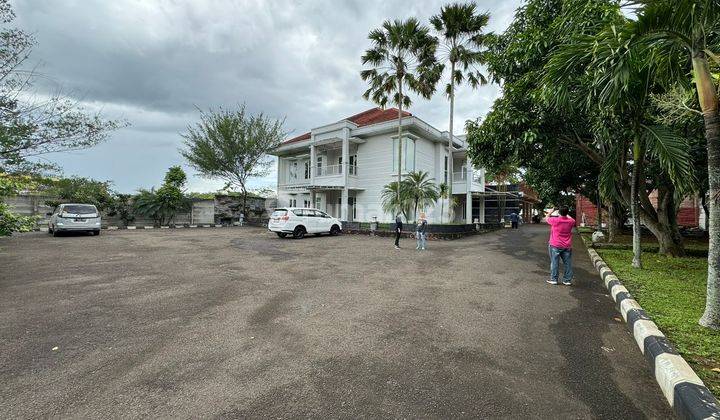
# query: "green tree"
{"points": [[233, 146], [683, 35], [82, 190], [420, 190], [460, 29], [395, 199], [402, 58], [121, 206], [10, 222], [163, 204]]}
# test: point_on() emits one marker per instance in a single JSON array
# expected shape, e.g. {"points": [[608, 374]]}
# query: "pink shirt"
{"points": [[561, 231]]}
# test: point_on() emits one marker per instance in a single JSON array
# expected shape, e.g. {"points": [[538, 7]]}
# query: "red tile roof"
{"points": [[369, 117]]}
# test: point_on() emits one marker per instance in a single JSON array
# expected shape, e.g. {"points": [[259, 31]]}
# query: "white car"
{"points": [[300, 221], [74, 218]]}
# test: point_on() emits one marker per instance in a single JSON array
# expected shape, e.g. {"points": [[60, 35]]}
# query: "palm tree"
{"points": [[683, 34], [395, 199], [443, 190], [460, 29], [421, 190], [402, 58]]}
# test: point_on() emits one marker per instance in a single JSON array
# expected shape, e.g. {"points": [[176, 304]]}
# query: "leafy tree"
{"points": [[460, 28], [121, 205], [682, 36], [164, 203], [81, 190], [233, 146], [402, 58], [10, 222], [31, 126], [421, 190], [395, 199]]}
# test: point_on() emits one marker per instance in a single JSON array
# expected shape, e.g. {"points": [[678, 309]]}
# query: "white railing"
{"points": [[299, 180], [330, 170], [462, 176], [353, 170]]}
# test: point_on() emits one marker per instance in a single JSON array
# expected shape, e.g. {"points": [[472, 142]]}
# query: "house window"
{"points": [[353, 164], [307, 169], [408, 154], [306, 203], [317, 202], [292, 203], [293, 170]]}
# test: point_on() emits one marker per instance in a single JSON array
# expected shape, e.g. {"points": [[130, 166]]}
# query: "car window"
{"points": [[322, 214], [279, 213], [80, 209], [299, 212], [311, 213]]}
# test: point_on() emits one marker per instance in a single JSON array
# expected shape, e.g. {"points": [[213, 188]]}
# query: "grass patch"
{"points": [[672, 291]]}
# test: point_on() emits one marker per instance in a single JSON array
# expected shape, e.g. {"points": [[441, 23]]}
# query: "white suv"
{"points": [[299, 221], [74, 218]]}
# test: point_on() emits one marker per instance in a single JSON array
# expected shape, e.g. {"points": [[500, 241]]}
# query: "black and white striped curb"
{"points": [[684, 390]]}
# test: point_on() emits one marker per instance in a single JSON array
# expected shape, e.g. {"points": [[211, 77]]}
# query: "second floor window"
{"points": [[293, 170], [408, 155], [307, 169]]}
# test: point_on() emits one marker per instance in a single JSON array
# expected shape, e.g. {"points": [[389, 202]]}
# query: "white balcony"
{"points": [[460, 182]]}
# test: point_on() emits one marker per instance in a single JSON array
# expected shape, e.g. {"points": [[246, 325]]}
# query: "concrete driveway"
{"points": [[236, 322]]}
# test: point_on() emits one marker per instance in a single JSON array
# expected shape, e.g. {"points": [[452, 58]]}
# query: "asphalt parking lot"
{"points": [[235, 322]]}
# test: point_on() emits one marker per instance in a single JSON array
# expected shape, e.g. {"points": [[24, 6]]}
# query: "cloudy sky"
{"points": [[153, 62]]}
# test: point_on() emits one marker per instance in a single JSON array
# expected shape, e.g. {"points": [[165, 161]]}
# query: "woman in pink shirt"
{"points": [[560, 245]]}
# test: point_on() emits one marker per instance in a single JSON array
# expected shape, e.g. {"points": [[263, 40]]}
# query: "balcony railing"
{"points": [[330, 170], [298, 180], [462, 176]]}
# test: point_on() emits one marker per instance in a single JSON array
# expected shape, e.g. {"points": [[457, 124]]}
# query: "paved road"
{"points": [[237, 323]]}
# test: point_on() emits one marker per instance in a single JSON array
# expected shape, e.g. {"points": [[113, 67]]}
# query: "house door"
{"points": [[351, 209]]}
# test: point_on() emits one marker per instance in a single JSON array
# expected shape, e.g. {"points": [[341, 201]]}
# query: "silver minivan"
{"points": [[74, 218]]}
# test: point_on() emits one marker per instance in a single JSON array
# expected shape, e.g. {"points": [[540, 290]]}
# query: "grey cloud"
{"points": [[153, 62]]}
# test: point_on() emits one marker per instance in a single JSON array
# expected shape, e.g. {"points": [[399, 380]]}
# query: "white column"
{"points": [[313, 161], [468, 194], [345, 170]]}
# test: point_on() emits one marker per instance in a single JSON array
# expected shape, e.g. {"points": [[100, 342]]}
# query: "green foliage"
{"points": [[233, 146], [176, 177], [9, 221], [672, 291], [460, 28], [122, 207], [421, 190], [81, 190], [396, 200], [402, 59], [164, 203]]}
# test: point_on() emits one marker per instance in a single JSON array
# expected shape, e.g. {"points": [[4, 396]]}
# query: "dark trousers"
{"points": [[514, 225], [397, 238]]}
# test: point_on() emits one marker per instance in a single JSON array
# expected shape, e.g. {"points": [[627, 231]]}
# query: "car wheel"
{"points": [[50, 229], [55, 233], [335, 230], [96, 232], [299, 232], [281, 234]]}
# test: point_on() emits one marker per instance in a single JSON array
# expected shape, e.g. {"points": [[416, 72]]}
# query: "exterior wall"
{"points": [[689, 214]]}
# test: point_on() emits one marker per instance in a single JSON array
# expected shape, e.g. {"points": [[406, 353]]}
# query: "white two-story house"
{"points": [[341, 168]]}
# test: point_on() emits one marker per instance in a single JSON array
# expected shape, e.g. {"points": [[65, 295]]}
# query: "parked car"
{"points": [[74, 218], [301, 221]]}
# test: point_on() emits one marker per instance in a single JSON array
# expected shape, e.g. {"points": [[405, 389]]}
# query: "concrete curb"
{"points": [[683, 389]]}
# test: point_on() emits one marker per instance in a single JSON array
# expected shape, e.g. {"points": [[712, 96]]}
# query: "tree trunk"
{"points": [[635, 203], [706, 210], [668, 233], [450, 141], [707, 95], [616, 220], [399, 174]]}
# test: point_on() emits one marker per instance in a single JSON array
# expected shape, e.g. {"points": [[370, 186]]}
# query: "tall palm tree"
{"points": [[684, 34], [460, 28], [395, 199], [421, 190], [443, 191], [402, 58]]}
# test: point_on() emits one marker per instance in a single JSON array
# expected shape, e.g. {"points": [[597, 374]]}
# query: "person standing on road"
{"points": [[514, 220], [398, 231], [420, 231], [560, 245]]}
